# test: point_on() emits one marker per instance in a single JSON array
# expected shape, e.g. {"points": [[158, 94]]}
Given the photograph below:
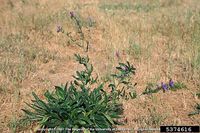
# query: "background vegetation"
{"points": [[161, 38]]}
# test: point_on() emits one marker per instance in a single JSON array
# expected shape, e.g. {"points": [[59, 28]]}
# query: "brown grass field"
{"points": [[161, 38]]}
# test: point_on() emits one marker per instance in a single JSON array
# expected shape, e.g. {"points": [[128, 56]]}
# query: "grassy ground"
{"points": [[161, 38]]}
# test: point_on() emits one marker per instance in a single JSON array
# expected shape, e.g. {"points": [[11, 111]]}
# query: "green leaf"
{"points": [[44, 120], [38, 109], [128, 64], [60, 92], [108, 118], [86, 131], [32, 116], [40, 102], [194, 113], [49, 97], [125, 82]]}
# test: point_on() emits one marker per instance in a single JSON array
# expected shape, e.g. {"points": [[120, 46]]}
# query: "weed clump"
{"points": [[77, 104], [121, 82], [171, 85]]}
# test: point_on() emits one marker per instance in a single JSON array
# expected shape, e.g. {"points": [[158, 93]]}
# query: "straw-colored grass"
{"points": [[161, 38]]}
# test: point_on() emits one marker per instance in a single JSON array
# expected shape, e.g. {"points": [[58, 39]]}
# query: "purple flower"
{"points": [[124, 68], [164, 86], [71, 14], [171, 83], [59, 28]]}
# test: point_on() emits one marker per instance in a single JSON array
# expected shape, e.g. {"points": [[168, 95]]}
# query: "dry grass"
{"points": [[160, 37]]}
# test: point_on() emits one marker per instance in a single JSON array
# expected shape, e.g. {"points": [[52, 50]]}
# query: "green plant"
{"points": [[76, 105], [178, 86], [121, 82], [80, 39], [154, 88], [198, 94], [197, 110], [151, 88]]}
